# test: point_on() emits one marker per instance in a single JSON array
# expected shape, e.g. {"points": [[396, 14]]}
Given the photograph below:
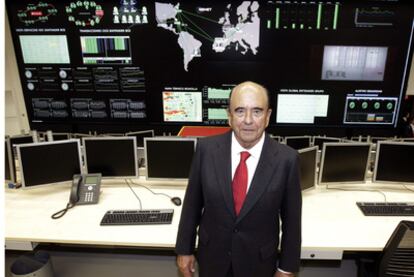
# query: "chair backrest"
{"points": [[398, 254]]}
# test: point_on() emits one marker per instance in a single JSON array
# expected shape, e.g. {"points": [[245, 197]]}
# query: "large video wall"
{"points": [[132, 63]]}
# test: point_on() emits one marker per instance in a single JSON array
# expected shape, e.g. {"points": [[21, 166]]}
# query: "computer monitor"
{"points": [[60, 136], [140, 135], [320, 141], [20, 139], [394, 162], [113, 157], [308, 162], [169, 157], [298, 142], [344, 162], [9, 166], [49, 162]]}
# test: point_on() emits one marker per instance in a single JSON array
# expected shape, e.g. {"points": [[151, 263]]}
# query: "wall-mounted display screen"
{"points": [[123, 64], [353, 63], [44, 49]]}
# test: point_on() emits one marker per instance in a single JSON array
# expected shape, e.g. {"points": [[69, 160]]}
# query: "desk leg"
{"points": [[368, 264]]}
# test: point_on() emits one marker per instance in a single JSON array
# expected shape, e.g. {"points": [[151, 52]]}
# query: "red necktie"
{"points": [[240, 182]]}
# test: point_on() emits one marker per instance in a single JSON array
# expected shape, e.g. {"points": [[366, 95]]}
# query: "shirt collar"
{"points": [[255, 151]]}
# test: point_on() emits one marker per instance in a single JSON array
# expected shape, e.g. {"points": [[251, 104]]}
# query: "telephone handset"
{"points": [[85, 189]]}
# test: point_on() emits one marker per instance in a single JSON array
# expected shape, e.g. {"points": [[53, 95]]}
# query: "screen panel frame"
{"points": [[132, 134], [309, 149], [378, 150], [14, 147], [343, 144], [330, 140], [24, 186], [60, 134], [11, 161], [112, 138], [298, 137], [165, 139]]}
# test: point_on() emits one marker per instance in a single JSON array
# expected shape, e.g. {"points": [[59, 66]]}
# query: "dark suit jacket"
{"points": [[249, 241]]}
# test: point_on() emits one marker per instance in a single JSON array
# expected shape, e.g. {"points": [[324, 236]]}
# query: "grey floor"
{"points": [[67, 263]]}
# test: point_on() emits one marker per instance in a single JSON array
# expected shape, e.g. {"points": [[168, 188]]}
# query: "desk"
{"points": [[332, 223], [28, 212]]}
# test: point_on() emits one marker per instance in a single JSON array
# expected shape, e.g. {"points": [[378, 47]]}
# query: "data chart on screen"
{"points": [[44, 49], [182, 106]]}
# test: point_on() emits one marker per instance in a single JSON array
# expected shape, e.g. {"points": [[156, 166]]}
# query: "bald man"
{"points": [[242, 185]]}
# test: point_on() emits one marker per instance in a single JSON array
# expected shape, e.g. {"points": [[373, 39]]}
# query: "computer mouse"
{"points": [[176, 201]]}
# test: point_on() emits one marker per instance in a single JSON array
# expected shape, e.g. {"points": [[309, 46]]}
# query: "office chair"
{"points": [[398, 255], [397, 258]]}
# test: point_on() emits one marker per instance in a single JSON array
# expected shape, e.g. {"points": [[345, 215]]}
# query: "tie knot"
{"points": [[244, 155]]}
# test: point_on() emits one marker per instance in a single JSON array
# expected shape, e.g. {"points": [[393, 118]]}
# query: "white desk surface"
{"points": [[28, 215], [332, 223]]}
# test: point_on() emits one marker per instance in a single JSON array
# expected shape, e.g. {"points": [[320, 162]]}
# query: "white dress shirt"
{"points": [[251, 162]]}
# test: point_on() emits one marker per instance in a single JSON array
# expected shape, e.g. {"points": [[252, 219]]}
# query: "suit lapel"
{"points": [[261, 178], [222, 165]]}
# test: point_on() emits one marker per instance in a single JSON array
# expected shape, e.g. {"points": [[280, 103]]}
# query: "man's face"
{"points": [[249, 114]]}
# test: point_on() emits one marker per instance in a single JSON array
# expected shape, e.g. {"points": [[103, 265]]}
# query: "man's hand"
{"points": [[281, 274], [186, 264]]}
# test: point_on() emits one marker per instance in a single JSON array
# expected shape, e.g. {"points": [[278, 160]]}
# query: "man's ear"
{"points": [[269, 113], [229, 116]]}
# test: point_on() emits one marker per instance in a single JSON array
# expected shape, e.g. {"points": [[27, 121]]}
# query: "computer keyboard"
{"points": [[386, 208], [137, 217]]}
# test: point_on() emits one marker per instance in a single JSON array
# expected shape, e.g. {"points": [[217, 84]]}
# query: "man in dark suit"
{"points": [[241, 184]]}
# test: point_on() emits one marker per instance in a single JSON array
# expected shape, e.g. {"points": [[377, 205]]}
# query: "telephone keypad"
{"points": [[88, 196]]}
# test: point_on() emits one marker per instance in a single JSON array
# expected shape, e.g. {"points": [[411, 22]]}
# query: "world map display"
{"points": [[240, 28]]}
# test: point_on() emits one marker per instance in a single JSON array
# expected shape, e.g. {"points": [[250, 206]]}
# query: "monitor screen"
{"points": [[298, 142], [49, 162], [9, 166], [44, 49], [168, 157], [308, 161], [140, 135], [105, 50], [182, 106], [320, 141], [344, 162], [111, 156], [354, 63], [394, 162]]}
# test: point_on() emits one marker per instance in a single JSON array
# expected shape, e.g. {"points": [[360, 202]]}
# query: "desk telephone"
{"points": [[85, 189]]}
